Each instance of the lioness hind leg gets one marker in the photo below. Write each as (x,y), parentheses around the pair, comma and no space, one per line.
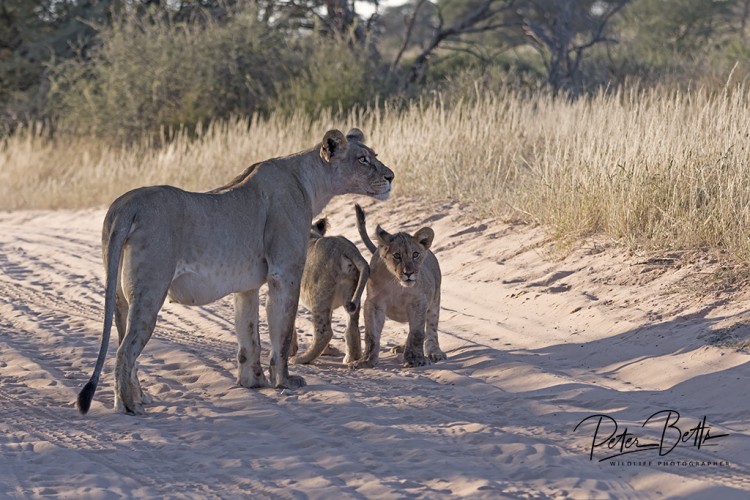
(249,371)
(321,337)
(431,345)
(141,323)
(353,340)
(121,323)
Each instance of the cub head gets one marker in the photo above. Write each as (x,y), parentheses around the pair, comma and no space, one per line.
(403,253)
(357,169)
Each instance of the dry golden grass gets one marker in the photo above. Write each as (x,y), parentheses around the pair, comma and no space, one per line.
(657,167)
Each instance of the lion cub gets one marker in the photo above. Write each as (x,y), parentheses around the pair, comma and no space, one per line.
(335,275)
(404,286)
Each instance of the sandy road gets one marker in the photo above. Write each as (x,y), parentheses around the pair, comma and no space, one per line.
(536,343)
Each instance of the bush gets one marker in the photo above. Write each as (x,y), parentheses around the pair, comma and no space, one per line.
(333,74)
(151,73)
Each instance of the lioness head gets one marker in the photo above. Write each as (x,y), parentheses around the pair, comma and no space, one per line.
(404,254)
(358,169)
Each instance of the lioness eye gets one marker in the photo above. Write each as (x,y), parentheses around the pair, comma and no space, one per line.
(415,255)
(363,160)
(397,256)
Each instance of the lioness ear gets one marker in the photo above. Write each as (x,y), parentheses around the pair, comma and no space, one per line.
(425,236)
(321,226)
(383,236)
(356,134)
(334,143)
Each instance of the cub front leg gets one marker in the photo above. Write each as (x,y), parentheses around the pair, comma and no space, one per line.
(413,348)
(374,320)
(281,309)
(431,345)
(249,371)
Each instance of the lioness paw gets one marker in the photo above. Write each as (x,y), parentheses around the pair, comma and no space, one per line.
(292,382)
(252,380)
(437,355)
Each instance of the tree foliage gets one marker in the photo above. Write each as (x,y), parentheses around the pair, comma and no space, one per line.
(135,65)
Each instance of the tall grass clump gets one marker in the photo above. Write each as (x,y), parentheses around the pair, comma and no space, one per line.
(658,167)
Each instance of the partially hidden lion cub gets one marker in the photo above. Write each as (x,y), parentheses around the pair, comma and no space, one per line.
(404,286)
(335,275)
(198,247)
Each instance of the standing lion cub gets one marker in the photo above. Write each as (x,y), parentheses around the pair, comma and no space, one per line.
(335,275)
(404,286)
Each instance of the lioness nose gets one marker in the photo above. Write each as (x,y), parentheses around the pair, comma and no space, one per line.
(389,176)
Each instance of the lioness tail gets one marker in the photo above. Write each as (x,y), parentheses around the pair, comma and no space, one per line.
(118,234)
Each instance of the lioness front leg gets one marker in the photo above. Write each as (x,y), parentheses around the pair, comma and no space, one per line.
(249,371)
(281,309)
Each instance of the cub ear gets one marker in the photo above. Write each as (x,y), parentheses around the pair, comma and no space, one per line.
(356,135)
(334,144)
(383,236)
(321,226)
(425,236)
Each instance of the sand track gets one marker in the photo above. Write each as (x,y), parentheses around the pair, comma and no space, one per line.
(536,342)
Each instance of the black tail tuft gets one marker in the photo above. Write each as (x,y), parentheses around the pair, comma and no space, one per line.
(351,307)
(360,213)
(85,396)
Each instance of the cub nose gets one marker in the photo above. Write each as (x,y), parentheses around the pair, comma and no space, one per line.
(408,275)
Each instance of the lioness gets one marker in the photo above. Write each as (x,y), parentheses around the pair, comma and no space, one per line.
(335,275)
(404,285)
(199,247)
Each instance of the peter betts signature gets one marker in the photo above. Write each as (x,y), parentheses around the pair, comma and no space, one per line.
(608,440)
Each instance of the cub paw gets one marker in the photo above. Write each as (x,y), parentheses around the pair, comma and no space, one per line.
(414,359)
(331,351)
(363,363)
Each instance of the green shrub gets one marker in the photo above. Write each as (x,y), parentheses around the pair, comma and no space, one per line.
(332,74)
(151,73)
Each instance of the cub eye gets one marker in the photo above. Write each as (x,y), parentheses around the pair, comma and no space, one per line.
(397,256)
(363,160)
(415,255)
